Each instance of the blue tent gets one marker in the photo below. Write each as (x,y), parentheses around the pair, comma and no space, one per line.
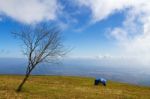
(100,80)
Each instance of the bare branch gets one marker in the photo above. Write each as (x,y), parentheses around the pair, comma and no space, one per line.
(41,43)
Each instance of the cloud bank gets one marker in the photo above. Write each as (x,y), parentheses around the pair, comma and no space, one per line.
(30,11)
(133,36)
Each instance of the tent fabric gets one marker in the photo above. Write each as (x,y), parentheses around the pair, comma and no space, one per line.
(100,80)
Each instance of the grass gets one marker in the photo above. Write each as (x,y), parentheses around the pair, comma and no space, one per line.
(64,87)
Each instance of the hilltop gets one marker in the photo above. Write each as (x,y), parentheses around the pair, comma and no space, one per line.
(68,87)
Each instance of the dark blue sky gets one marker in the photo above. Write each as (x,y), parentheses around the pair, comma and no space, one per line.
(93,28)
(86,39)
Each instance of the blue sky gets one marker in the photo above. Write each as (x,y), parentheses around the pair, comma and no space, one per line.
(93,28)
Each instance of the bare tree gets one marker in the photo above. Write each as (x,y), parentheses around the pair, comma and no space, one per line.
(40,44)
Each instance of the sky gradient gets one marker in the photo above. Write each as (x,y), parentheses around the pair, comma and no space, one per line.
(112,29)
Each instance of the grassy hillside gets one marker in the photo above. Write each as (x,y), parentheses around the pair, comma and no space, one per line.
(62,87)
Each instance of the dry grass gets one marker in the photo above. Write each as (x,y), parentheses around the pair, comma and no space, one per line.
(62,87)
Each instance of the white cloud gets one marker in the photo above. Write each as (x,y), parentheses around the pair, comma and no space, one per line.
(136,33)
(133,36)
(101,9)
(30,11)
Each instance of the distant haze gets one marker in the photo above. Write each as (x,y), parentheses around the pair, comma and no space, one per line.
(81,67)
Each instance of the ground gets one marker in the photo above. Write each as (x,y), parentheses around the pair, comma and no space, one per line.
(68,87)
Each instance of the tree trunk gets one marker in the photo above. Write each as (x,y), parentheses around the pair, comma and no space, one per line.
(22,83)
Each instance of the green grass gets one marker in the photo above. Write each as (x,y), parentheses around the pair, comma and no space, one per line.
(64,87)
